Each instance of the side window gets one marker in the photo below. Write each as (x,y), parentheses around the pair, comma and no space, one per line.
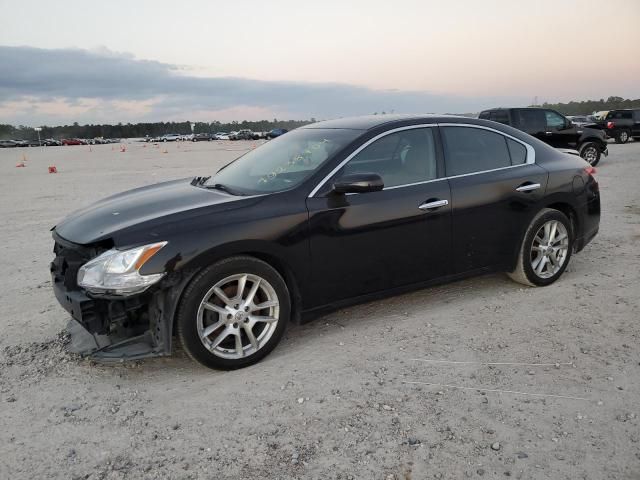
(554,120)
(400,158)
(501,116)
(627,115)
(517,152)
(469,150)
(531,121)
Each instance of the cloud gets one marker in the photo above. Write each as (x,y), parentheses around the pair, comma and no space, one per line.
(47,85)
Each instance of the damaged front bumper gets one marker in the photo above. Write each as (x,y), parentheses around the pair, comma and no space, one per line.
(114,329)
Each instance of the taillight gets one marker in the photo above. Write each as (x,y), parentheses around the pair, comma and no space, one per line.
(611,125)
(590,170)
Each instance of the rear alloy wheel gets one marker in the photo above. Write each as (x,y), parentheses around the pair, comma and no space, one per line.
(622,136)
(233,313)
(590,153)
(546,249)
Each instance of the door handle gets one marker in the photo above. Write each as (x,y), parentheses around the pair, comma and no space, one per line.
(433,204)
(548,133)
(527,187)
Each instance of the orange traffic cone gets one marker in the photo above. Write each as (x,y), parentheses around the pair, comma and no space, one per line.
(53,169)
(21,164)
(123,148)
(165,151)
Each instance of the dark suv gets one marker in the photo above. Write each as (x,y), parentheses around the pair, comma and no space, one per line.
(622,124)
(553,128)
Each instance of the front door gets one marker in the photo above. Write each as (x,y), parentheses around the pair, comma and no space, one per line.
(560,131)
(369,242)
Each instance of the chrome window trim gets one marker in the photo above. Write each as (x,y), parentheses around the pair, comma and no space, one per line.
(531,155)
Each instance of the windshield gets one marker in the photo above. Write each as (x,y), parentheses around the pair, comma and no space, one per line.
(282,163)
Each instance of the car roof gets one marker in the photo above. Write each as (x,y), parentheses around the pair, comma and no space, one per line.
(368,122)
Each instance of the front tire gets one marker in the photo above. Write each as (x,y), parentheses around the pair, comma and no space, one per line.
(233,313)
(622,136)
(546,249)
(591,153)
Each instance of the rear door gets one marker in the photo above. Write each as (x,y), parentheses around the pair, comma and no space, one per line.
(495,189)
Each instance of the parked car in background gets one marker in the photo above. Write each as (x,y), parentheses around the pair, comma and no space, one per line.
(295,227)
(72,141)
(621,125)
(244,134)
(8,144)
(276,132)
(553,128)
(50,142)
(171,137)
(201,137)
(221,136)
(579,120)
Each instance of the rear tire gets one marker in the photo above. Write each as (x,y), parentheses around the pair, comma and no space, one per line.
(591,153)
(622,136)
(546,249)
(219,322)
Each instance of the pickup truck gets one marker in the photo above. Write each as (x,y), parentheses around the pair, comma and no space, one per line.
(554,129)
(621,125)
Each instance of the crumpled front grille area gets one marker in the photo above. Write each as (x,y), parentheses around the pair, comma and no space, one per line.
(69,257)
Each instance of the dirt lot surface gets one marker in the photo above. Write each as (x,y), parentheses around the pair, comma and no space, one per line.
(334,400)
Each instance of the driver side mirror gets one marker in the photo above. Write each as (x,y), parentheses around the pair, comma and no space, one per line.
(358,183)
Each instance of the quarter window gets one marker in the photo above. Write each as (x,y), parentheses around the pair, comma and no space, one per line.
(469,150)
(517,152)
(400,158)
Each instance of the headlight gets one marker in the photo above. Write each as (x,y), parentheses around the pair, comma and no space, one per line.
(117,271)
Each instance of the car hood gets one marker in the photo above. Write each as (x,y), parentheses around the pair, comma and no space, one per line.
(143,208)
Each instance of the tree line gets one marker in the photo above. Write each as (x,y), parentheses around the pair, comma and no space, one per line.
(588,107)
(156,129)
(136,130)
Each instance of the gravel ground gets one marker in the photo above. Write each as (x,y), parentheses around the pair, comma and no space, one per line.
(335,399)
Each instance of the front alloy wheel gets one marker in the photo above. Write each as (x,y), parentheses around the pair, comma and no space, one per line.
(238,316)
(591,154)
(233,313)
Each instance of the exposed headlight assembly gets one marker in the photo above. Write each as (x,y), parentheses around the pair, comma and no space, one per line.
(117,272)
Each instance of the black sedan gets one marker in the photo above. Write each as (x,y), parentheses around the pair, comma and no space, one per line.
(330,214)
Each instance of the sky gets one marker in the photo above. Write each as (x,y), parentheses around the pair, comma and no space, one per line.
(129,61)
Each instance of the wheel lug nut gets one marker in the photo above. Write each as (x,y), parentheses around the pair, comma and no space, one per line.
(236,306)
(246,320)
(246,309)
(229,316)
(235,325)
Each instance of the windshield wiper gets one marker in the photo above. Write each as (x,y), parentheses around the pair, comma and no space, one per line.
(223,188)
(198,181)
